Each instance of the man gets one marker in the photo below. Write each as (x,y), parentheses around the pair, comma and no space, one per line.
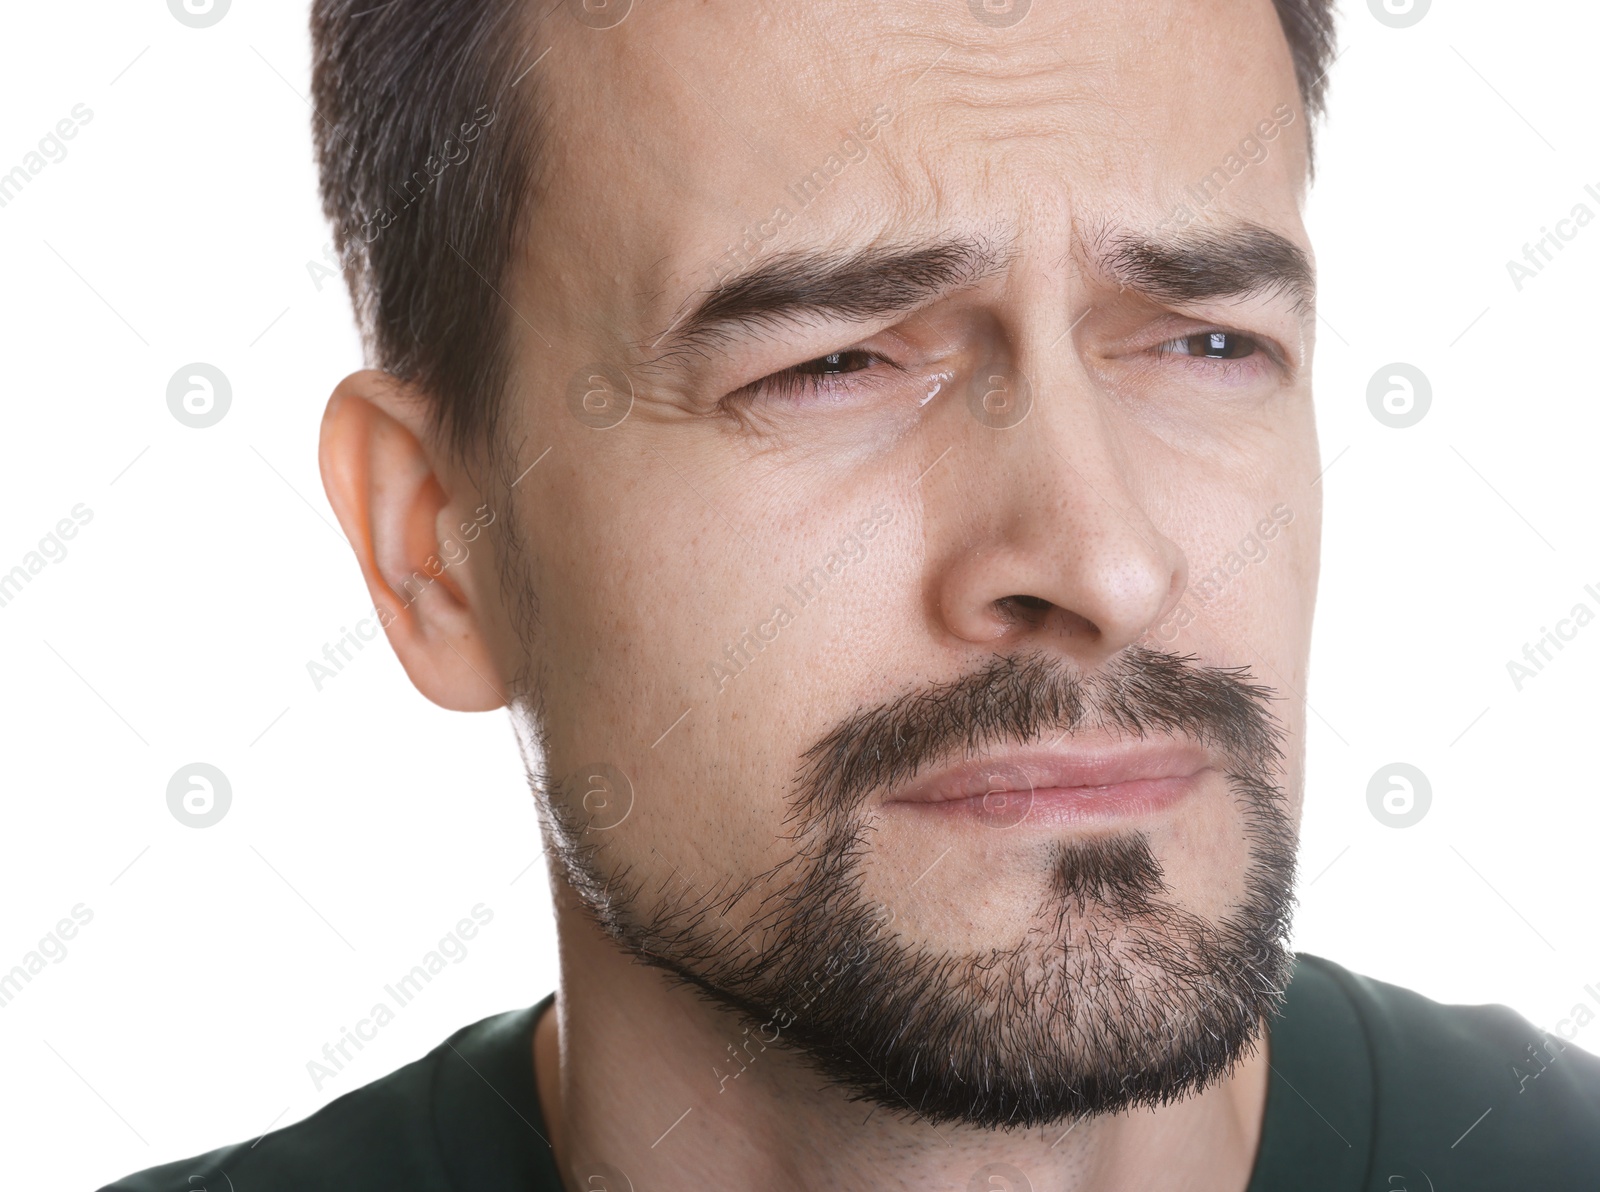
(815,422)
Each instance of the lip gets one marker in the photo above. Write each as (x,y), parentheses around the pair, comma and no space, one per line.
(1055,786)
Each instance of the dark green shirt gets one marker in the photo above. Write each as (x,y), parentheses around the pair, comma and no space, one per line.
(1373,1089)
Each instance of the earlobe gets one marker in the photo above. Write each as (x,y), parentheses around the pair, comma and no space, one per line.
(391,501)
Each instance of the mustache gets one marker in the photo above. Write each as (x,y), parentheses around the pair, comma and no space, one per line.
(1025,698)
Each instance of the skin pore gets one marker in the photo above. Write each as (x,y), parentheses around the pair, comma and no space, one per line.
(1019,207)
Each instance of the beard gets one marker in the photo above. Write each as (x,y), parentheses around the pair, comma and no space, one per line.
(1116,997)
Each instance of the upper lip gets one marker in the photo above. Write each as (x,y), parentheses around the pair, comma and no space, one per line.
(1034,769)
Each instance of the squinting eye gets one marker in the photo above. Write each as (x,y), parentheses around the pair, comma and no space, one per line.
(1214,345)
(834,363)
(809,378)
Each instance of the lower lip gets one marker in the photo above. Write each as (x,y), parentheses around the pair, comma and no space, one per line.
(1054,806)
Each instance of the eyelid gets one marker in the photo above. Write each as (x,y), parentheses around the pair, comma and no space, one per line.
(792,376)
(1268,346)
(1175,340)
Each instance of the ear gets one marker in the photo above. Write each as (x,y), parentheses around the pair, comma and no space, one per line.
(413,537)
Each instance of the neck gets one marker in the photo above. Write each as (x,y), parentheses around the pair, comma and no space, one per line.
(639,1075)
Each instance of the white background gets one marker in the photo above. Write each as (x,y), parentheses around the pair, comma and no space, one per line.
(365,822)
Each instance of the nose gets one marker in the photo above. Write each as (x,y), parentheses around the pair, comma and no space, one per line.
(1046,539)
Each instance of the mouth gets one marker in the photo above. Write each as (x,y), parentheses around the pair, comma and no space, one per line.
(1045,787)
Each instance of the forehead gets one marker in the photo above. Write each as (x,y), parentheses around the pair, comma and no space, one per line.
(696,130)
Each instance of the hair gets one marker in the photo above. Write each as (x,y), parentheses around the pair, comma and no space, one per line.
(427,247)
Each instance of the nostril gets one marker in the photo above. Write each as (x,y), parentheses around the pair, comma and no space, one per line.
(1030,610)
(1037,613)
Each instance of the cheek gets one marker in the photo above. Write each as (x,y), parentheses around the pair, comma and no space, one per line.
(696,638)
(1251,605)
(628,578)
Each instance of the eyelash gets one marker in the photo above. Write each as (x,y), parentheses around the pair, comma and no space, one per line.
(1259,354)
(1211,335)
(791,384)
(794,383)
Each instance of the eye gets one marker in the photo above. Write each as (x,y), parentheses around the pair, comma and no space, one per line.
(1213,345)
(810,379)
(834,363)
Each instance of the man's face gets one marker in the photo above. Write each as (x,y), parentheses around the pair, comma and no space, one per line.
(1033,512)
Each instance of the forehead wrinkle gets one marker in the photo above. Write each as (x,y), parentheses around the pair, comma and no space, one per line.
(1044,87)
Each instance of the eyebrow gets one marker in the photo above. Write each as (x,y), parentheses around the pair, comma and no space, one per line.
(1238,261)
(863,286)
(879,282)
